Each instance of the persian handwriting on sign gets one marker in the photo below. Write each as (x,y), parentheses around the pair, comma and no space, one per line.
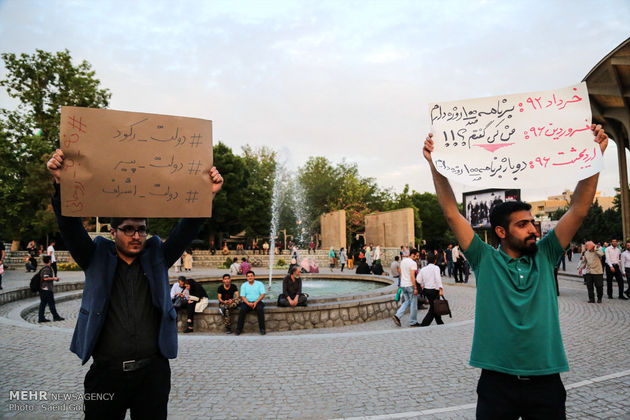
(514,140)
(132,164)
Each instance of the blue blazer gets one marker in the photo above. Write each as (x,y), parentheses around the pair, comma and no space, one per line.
(99,258)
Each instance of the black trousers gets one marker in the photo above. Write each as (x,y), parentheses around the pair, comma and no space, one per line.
(144,391)
(244,309)
(458,272)
(46,297)
(283,301)
(431,295)
(505,397)
(53,265)
(598,281)
(609,280)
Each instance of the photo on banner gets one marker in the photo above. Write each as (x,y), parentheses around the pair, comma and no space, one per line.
(479,204)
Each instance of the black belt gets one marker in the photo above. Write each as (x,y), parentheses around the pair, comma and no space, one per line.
(530,378)
(127,365)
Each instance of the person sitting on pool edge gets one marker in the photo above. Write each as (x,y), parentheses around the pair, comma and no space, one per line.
(292,290)
(229,299)
(252,294)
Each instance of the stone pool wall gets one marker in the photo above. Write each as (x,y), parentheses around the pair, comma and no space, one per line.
(322,312)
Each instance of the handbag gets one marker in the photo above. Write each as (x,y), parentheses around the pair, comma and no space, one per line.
(178,302)
(440,307)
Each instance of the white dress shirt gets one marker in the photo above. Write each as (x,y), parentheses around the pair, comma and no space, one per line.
(429,277)
(612,255)
(625,260)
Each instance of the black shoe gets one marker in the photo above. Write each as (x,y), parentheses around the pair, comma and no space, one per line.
(228,330)
(263,332)
(396,320)
(238,332)
(44,320)
(627,292)
(599,300)
(622,297)
(414,325)
(59,319)
(188,330)
(591,301)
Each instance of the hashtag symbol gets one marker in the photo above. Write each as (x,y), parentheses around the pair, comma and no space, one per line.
(192,196)
(193,167)
(195,140)
(77,124)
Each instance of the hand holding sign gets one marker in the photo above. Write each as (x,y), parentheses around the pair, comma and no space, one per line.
(516,140)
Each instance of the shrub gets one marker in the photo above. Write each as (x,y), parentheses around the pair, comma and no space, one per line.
(227,263)
(281,262)
(68,266)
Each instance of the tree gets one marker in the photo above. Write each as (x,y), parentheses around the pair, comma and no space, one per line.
(41,83)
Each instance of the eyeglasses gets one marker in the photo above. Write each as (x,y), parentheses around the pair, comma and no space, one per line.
(130,230)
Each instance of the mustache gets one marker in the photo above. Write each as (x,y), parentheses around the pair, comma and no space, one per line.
(531,237)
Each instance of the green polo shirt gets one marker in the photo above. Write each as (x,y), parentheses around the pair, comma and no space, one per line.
(517,329)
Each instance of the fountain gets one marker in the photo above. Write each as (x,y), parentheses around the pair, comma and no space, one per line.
(277,182)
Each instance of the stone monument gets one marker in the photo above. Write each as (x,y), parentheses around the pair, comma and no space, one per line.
(390,229)
(333,226)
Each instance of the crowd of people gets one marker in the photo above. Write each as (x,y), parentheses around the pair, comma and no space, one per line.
(611,258)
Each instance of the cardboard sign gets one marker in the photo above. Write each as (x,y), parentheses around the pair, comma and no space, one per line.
(130,164)
(510,141)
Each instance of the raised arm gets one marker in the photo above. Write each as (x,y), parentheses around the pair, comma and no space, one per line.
(458,224)
(72,230)
(582,197)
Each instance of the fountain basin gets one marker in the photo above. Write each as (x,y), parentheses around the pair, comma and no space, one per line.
(322,312)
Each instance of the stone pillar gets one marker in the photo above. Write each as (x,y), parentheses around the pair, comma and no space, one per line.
(390,229)
(333,227)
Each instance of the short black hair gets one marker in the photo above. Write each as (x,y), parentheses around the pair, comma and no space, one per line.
(227,275)
(431,258)
(46,259)
(500,214)
(413,251)
(250,271)
(396,258)
(117,221)
(243,259)
(295,268)
(182,278)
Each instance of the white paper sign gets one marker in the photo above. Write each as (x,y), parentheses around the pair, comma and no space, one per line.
(524,140)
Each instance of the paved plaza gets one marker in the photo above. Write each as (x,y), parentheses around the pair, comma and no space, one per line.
(369,371)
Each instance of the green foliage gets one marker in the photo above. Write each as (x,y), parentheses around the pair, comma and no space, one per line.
(68,267)
(41,83)
(329,187)
(599,225)
(227,263)
(556,215)
(244,202)
(281,262)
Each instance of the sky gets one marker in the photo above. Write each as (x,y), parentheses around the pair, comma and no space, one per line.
(342,79)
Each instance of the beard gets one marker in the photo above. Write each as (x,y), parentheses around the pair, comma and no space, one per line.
(521,246)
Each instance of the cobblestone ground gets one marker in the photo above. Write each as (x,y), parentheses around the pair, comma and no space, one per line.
(372,370)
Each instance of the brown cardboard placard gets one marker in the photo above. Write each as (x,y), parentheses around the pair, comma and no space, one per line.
(132,164)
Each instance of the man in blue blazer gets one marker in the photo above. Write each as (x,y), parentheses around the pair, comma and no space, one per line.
(127,322)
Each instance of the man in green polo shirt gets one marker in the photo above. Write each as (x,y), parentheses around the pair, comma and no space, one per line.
(517,341)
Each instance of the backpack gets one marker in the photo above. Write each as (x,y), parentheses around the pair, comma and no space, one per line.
(36,281)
